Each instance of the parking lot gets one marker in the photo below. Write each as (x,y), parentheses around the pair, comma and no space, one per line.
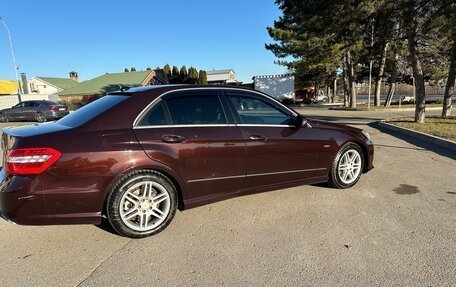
(397,226)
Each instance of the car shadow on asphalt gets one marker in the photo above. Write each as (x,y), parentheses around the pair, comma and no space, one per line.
(422,144)
(106,226)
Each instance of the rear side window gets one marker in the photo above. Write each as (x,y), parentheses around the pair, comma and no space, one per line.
(90,111)
(156,116)
(196,110)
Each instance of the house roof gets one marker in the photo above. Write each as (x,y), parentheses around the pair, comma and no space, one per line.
(214,72)
(62,83)
(110,82)
(7,87)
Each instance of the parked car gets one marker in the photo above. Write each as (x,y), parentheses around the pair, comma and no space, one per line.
(136,156)
(39,111)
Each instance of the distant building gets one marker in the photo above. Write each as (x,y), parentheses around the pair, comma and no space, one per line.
(50,85)
(7,87)
(222,77)
(281,87)
(106,83)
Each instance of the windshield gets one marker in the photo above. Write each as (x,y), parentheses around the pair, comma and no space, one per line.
(90,111)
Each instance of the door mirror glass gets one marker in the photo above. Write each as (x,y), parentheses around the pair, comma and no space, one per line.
(299,121)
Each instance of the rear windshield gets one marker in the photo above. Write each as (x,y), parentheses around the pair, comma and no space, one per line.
(90,111)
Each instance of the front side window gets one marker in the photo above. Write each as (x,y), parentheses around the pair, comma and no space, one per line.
(255,111)
(196,110)
(29,104)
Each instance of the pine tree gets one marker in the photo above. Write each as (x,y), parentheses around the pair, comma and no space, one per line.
(183,75)
(133,69)
(202,77)
(167,71)
(192,75)
(148,69)
(126,70)
(175,75)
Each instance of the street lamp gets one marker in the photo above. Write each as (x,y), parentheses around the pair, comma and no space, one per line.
(14,60)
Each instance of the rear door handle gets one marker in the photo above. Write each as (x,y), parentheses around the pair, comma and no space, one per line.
(172,139)
(257,138)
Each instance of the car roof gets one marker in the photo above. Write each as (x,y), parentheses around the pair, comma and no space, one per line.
(174,87)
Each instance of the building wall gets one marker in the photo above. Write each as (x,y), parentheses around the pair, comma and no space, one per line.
(9,101)
(42,87)
(280,86)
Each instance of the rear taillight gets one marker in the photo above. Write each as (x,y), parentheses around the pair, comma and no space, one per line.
(53,108)
(30,160)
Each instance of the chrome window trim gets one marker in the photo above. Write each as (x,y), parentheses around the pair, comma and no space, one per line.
(184,126)
(266,125)
(255,174)
(138,118)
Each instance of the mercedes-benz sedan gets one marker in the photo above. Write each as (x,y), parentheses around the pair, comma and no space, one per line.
(137,156)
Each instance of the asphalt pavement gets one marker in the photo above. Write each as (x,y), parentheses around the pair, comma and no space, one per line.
(397,226)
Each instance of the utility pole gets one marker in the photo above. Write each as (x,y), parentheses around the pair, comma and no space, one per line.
(14,60)
(370,66)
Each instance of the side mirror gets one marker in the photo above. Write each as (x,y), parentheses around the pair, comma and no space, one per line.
(299,121)
(13,107)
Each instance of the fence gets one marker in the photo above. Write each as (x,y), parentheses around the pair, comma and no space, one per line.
(401,90)
(9,101)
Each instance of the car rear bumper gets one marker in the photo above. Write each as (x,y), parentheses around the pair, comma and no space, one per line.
(58,114)
(23,201)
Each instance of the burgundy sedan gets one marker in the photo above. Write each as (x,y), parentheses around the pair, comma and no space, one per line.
(137,156)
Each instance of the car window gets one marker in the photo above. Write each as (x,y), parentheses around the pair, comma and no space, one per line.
(20,105)
(255,111)
(29,104)
(196,110)
(90,111)
(155,116)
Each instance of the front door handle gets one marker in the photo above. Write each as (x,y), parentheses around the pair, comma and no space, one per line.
(257,138)
(172,139)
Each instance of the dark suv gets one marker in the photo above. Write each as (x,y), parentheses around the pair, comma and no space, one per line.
(39,111)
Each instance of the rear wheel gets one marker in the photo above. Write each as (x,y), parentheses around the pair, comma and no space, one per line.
(141,204)
(40,117)
(347,166)
(3,118)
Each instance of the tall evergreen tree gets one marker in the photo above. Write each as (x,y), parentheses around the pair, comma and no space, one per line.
(175,75)
(192,75)
(183,75)
(167,71)
(126,70)
(133,69)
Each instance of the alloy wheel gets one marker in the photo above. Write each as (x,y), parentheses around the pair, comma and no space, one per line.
(349,166)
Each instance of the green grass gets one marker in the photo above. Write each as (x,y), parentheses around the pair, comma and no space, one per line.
(436,126)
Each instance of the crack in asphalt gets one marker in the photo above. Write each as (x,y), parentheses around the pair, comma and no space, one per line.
(103,261)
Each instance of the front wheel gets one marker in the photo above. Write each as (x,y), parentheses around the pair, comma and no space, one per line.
(142,204)
(347,167)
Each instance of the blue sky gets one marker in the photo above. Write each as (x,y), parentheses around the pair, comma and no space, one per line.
(52,38)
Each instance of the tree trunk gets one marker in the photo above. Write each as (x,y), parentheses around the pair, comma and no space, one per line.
(334,91)
(328,91)
(420,104)
(351,80)
(393,77)
(449,88)
(381,69)
(345,83)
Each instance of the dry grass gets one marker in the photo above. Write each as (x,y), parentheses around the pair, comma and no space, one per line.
(406,106)
(436,126)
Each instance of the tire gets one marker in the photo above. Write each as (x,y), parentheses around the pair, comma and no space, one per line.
(40,117)
(347,166)
(141,204)
(4,118)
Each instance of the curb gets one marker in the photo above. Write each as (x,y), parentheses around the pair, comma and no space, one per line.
(381,110)
(418,135)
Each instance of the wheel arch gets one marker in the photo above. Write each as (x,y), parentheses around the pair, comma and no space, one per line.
(167,173)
